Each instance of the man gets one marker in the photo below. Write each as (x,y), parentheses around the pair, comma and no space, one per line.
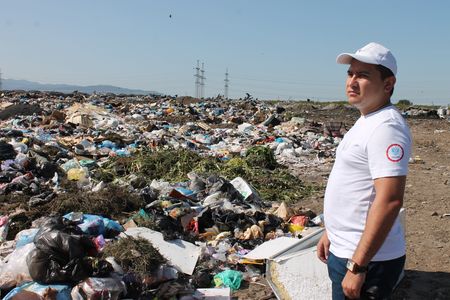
(363,244)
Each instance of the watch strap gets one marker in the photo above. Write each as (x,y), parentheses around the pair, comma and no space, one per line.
(355,268)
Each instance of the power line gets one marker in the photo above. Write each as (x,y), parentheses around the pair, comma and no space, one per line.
(321,83)
(202,81)
(226,84)
(197,80)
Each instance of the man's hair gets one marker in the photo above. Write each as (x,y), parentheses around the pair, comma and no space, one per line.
(385,73)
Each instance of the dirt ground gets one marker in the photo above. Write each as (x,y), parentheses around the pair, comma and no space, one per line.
(427,199)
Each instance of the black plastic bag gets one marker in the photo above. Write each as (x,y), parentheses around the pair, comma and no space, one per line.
(61,254)
(7,151)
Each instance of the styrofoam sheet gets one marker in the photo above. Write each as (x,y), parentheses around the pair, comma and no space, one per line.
(180,254)
(275,247)
(272,248)
(299,276)
(297,273)
(213,294)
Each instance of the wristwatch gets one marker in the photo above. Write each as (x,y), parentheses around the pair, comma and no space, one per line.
(355,268)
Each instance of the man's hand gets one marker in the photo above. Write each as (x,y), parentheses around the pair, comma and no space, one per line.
(352,284)
(323,248)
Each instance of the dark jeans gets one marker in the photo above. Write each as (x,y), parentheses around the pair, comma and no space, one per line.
(380,279)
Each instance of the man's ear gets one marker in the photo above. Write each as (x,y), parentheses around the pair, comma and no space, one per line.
(389,84)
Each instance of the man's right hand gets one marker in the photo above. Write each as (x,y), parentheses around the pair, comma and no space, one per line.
(323,248)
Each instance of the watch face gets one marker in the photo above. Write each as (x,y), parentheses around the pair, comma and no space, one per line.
(354,268)
(350,265)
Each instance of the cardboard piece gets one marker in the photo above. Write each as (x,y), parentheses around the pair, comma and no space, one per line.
(243,187)
(284,211)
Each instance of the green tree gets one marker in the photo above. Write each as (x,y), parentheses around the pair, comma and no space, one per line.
(404,102)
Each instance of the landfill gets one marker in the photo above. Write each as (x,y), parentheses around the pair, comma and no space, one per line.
(109,196)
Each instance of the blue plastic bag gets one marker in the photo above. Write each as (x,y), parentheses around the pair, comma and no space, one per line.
(63,291)
(95,225)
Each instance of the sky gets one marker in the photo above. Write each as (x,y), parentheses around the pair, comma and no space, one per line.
(272,49)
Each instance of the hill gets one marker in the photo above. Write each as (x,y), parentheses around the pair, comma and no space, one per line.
(14,84)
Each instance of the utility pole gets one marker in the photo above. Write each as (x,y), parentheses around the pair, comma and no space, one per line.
(202,81)
(0,80)
(197,80)
(226,84)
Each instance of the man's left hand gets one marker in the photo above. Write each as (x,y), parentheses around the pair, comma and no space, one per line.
(352,284)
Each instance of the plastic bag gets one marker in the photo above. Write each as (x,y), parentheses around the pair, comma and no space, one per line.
(58,257)
(14,268)
(4,227)
(197,184)
(8,165)
(36,291)
(108,144)
(96,225)
(60,254)
(99,288)
(25,237)
(22,160)
(300,220)
(78,174)
(228,278)
(71,164)
(92,225)
(7,151)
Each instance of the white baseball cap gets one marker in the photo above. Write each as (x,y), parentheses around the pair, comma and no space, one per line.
(371,53)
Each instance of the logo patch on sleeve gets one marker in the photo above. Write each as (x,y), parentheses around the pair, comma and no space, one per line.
(395,152)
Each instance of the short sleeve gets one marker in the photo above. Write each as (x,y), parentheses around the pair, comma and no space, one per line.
(388,150)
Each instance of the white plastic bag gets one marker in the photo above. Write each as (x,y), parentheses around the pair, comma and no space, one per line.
(14,268)
(99,288)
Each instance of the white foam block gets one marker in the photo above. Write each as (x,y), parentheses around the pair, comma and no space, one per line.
(180,254)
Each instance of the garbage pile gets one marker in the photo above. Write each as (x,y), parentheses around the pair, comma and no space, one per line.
(148,197)
(421,113)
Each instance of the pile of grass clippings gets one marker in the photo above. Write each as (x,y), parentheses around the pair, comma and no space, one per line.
(261,157)
(171,165)
(258,167)
(272,185)
(112,201)
(134,255)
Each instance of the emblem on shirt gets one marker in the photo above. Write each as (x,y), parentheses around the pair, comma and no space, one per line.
(394,152)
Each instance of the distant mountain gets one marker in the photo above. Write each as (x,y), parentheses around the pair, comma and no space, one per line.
(13,84)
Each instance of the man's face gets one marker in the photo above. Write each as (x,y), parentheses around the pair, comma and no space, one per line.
(365,88)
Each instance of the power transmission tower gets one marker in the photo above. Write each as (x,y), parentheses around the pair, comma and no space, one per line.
(202,81)
(197,80)
(226,84)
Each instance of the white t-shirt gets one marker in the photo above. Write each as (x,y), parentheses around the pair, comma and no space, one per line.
(378,145)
